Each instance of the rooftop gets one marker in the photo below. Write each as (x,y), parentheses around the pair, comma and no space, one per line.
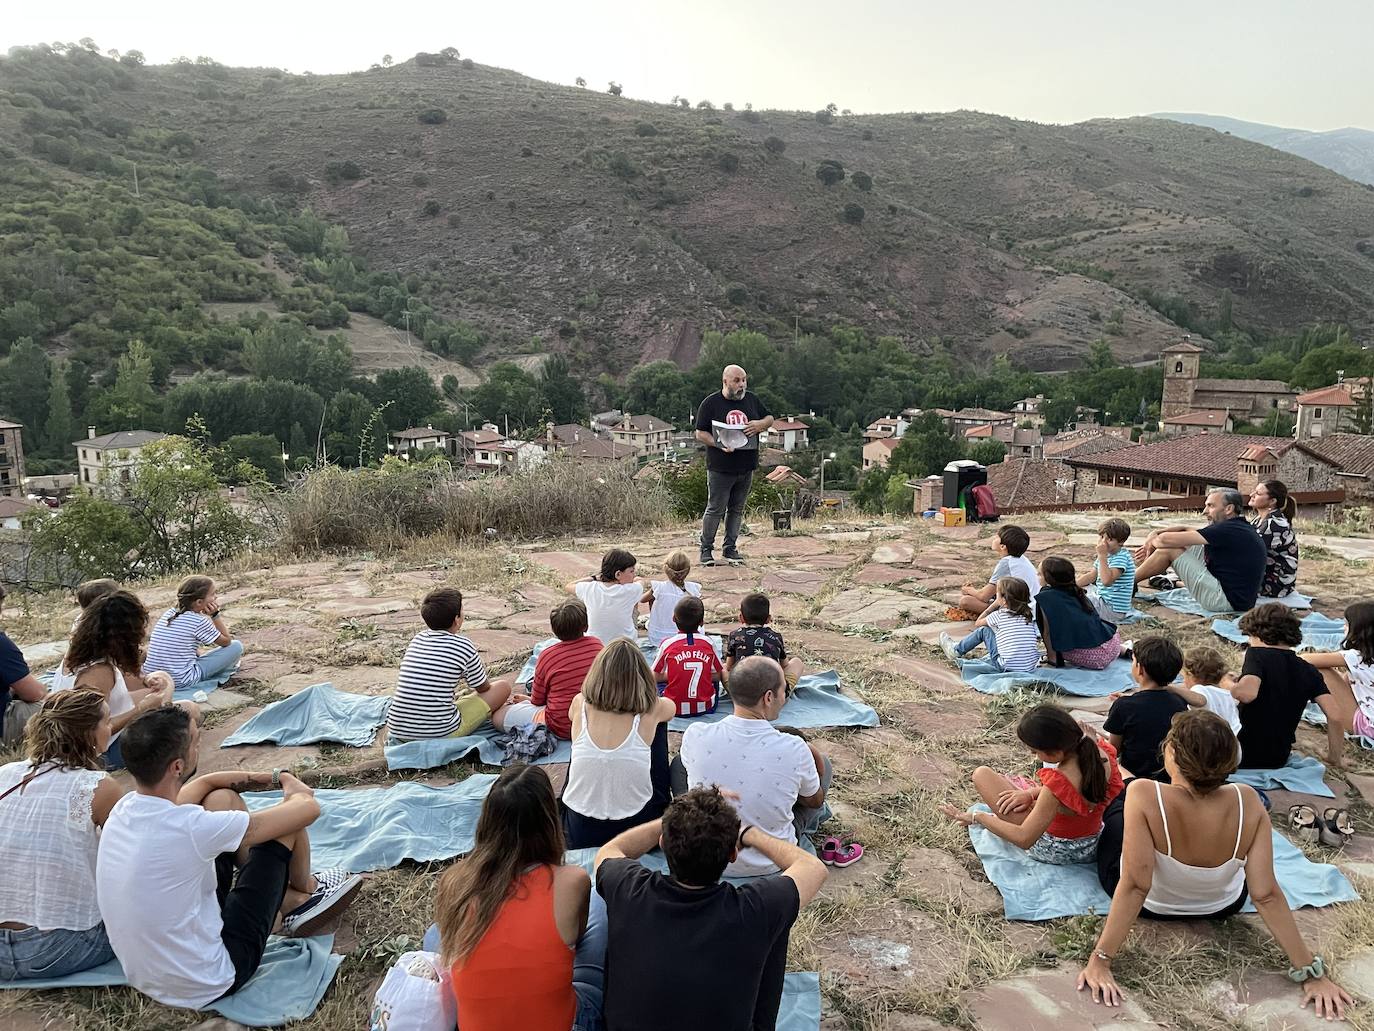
(1245,386)
(642,424)
(1210,457)
(481,438)
(1183,347)
(120,440)
(13,508)
(419,433)
(1090,441)
(888,442)
(980,415)
(789,424)
(1328,397)
(1206,417)
(1028,481)
(5,424)
(1353,452)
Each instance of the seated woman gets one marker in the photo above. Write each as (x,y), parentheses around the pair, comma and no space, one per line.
(106,655)
(174,645)
(1073,632)
(1272,519)
(524,934)
(1059,820)
(618,777)
(52,806)
(1193,849)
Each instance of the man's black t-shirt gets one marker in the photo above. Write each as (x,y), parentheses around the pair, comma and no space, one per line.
(1236,556)
(1269,724)
(13,669)
(1142,719)
(719,408)
(687,959)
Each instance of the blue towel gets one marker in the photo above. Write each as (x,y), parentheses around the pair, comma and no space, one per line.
(1033,890)
(288,986)
(1086,683)
(801,1002)
(321,712)
(1181,601)
(427,753)
(1313,715)
(378,828)
(1131,615)
(815,703)
(1319,633)
(1303,774)
(184,694)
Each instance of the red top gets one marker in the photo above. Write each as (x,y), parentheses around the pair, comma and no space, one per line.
(1084,819)
(686,663)
(520,974)
(558,676)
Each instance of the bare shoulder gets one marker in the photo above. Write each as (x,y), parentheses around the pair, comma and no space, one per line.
(571,878)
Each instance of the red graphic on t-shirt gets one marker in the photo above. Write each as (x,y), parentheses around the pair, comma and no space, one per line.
(736,418)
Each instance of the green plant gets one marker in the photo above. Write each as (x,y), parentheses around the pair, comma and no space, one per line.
(774,145)
(853,214)
(728,162)
(646,129)
(431,208)
(342,171)
(862,181)
(829,172)
(432,116)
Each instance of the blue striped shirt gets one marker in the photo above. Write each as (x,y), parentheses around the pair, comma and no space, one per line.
(1118,595)
(173,646)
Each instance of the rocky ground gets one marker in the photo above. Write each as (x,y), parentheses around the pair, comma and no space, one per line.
(910,938)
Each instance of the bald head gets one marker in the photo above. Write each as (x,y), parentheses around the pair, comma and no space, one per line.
(733,382)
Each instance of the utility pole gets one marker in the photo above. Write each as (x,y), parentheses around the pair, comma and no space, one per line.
(136,179)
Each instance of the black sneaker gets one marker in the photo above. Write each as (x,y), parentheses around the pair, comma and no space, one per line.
(733,556)
(1163,582)
(706,559)
(334,890)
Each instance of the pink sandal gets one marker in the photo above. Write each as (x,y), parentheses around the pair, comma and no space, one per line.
(835,852)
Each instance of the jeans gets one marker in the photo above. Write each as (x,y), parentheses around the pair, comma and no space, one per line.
(13,718)
(981,635)
(726,494)
(217,660)
(805,821)
(32,953)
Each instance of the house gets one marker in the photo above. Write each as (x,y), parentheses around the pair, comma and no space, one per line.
(1028,409)
(597,449)
(887,426)
(417,439)
(482,451)
(56,487)
(110,462)
(1091,440)
(1326,411)
(787,434)
(957,423)
(13,510)
(1354,453)
(783,476)
(605,420)
(1249,400)
(878,452)
(1200,421)
(643,433)
(1021,441)
(11,460)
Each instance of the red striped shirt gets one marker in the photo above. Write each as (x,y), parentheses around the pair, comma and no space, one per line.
(558,676)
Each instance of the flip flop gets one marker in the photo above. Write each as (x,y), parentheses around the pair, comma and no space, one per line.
(1335,829)
(1302,821)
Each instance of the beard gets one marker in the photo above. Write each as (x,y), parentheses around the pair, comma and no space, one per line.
(734,393)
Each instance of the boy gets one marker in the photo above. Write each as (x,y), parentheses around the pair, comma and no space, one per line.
(1112,577)
(437,660)
(687,662)
(1010,544)
(756,637)
(1137,723)
(1274,688)
(558,674)
(1205,685)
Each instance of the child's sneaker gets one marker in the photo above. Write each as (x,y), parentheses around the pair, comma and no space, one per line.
(334,890)
(949,647)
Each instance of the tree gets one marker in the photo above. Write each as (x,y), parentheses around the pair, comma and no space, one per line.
(1224,311)
(563,396)
(132,58)
(24,381)
(825,117)
(897,496)
(659,388)
(88,537)
(412,394)
(829,172)
(19,320)
(1100,357)
(774,145)
(862,181)
(509,392)
(613,88)
(988,452)
(386,60)
(580,81)
(260,450)
(925,448)
(60,430)
(853,214)
(871,497)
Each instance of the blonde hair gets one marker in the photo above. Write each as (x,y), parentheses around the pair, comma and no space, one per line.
(62,731)
(190,591)
(620,680)
(676,567)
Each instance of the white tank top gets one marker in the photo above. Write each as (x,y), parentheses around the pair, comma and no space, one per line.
(119,701)
(608,783)
(1182,890)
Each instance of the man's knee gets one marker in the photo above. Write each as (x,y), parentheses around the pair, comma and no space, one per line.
(223,800)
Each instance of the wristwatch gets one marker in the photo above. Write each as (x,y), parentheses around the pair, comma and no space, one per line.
(1315,969)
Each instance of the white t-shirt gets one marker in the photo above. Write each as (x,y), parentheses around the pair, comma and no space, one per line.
(610,609)
(1361,682)
(1018,566)
(155,883)
(666,596)
(1221,702)
(769,770)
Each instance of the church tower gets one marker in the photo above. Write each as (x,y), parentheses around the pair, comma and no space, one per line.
(1180,363)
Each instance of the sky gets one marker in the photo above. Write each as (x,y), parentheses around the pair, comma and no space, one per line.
(1276,61)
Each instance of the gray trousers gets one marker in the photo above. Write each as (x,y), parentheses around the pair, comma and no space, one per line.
(726,495)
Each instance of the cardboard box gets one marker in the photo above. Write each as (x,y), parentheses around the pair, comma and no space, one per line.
(952,516)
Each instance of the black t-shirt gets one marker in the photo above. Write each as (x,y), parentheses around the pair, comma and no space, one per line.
(755,640)
(13,669)
(719,408)
(1236,556)
(685,959)
(1142,719)
(1269,724)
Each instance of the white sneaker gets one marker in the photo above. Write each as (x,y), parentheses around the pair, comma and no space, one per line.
(950,648)
(334,890)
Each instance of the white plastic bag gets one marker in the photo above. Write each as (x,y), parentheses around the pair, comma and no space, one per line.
(415,996)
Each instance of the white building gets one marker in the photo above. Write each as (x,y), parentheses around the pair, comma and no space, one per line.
(12,511)
(107,464)
(417,439)
(644,433)
(787,435)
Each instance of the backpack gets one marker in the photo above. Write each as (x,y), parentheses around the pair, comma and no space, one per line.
(984,504)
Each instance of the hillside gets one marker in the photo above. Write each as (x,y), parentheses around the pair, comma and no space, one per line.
(1349,151)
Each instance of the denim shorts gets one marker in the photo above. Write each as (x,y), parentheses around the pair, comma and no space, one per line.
(32,953)
(1064,851)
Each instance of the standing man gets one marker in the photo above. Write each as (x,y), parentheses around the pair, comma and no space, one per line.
(729,424)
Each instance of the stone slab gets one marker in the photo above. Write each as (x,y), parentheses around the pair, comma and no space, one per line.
(891,948)
(213,758)
(569,565)
(829,644)
(284,638)
(928,673)
(1050,1001)
(48,653)
(936,876)
(875,574)
(793,581)
(495,645)
(894,553)
(348,608)
(878,607)
(363,680)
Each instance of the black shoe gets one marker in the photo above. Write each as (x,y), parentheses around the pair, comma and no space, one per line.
(706,559)
(733,555)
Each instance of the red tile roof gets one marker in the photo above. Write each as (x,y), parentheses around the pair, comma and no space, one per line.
(1353,452)
(1183,347)
(1210,457)
(1243,386)
(888,442)
(1082,443)
(1329,397)
(1022,482)
(789,424)
(1208,417)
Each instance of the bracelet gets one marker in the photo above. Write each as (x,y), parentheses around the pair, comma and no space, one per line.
(739,842)
(1102,956)
(1313,970)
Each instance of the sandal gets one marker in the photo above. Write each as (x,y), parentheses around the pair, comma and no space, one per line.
(836,853)
(1335,830)
(1302,821)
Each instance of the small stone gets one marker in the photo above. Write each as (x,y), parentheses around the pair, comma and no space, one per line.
(893,553)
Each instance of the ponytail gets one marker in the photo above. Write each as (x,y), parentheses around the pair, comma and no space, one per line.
(676,567)
(1048,728)
(190,591)
(1283,501)
(1094,777)
(1059,573)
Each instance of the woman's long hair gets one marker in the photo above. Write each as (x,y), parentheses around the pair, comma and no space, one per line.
(1059,573)
(1283,502)
(1359,629)
(110,630)
(63,730)
(620,680)
(519,827)
(1048,728)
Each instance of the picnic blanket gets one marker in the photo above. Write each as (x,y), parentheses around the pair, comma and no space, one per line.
(366,829)
(1086,683)
(1181,601)
(288,986)
(320,712)
(1040,891)
(180,694)
(650,651)
(1302,773)
(427,753)
(1313,715)
(817,702)
(1319,633)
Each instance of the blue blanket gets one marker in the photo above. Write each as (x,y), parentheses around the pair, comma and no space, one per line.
(1181,601)
(379,828)
(817,702)
(801,1002)
(1040,891)
(428,753)
(1303,774)
(288,986)
(1319,633)
(321,712)
(1086,683)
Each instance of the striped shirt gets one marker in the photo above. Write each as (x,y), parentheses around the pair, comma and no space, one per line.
(1018,641)
(1118,595)
(174,644)
(435,663)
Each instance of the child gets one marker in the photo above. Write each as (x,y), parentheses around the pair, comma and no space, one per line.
(756,637)
(611,597)
(1349,674)
(436,661)
(1112,577)
(196,620)
(1010,544)
(687,663)
(1073,632)
(662,596)
(558,674)
(1060,825)
(1205,677)
(1274,688)
(90,592)
(1137,723)
(1007,628)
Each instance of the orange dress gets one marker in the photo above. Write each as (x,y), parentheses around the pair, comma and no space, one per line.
(520,974)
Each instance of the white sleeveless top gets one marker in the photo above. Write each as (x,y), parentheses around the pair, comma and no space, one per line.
(608,783)
(48,847)
(1182,890)
(119,701)
(666,596)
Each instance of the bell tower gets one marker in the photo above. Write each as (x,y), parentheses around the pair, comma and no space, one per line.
(1180,362)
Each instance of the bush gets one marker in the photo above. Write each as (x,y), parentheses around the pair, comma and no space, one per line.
(431,208)
(825,117)
(467,64)
(646,129)
(774,145)
(728,162)
(621,166)
(342,171)
(433,116)
(686,488)
(862,180)
(830,172)
(751,116)
(853,214)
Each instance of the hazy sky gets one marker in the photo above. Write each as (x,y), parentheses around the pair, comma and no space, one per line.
(1278,61)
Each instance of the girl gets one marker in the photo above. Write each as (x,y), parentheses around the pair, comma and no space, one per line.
(618,777)
(1007,628)
(1073,632)
(173,645)
(524,934)
(1274,511)
(1349,674)
(1059,821)
(662,596)
(611,597)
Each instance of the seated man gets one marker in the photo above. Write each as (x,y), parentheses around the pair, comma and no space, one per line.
(185,928)
(781,780)
(1221,564)
(666,934)
(21,693)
